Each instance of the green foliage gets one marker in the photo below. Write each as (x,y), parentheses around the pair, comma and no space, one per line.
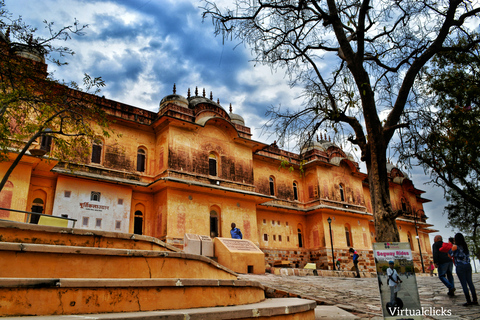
(445,138)
(464,217)
(287,164)
(33,105)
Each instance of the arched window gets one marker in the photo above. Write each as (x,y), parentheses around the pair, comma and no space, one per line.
(46,143)
(97,151)
(300,238)
(295,191)
(141,159)
(214,224)
(404,206)
(342,193)
(138,222)
(348,236)
(271,182)
(212,164)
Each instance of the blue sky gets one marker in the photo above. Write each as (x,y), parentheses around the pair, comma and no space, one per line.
(142,47)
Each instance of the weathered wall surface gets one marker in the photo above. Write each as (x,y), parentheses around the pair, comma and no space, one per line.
(73,198)
(15,192)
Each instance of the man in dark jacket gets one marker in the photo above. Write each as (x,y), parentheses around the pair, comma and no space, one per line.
(355,261)
(444,265)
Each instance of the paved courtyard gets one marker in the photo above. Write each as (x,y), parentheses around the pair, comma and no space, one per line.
(360,297)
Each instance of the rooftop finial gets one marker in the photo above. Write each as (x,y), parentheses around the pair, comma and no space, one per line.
(203,92)
(318,139)
(196,91)
(211,95)
(218,101)
(329,139)
(230,108)
(188,93)
(174,89)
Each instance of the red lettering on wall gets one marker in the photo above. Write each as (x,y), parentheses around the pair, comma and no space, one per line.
(247,230)
(181,220)
(6,199)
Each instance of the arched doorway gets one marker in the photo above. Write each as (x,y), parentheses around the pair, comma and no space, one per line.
(300,237)
(37,207)
(214,222)
(138,222)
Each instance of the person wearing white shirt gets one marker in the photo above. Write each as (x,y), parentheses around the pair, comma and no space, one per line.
(393,282)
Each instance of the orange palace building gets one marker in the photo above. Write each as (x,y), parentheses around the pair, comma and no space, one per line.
(193,167)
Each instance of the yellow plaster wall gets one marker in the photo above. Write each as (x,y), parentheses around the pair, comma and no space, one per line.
(125,141)
(268,223)
(189,212)
(316,231)
(359,230)
(283,177)
(328,179)
(43,188)
(189,151)
(159,226)
(161,152)
(15,193)
(144,202)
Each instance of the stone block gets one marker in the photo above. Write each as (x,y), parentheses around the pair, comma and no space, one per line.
(208,249)
(192,244)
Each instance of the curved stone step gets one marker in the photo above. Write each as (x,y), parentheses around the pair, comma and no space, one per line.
(23,297)
(52,261)
(12,231)
(283,308)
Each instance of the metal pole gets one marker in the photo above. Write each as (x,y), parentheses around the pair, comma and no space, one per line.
(418,240)
(331,241)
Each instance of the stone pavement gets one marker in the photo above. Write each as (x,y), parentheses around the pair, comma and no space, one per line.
(360,297)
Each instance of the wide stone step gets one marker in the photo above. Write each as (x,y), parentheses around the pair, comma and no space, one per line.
(23,297)
(52,261)
(284,309)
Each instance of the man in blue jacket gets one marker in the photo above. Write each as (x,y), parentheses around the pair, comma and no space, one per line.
(355,261)
(235,232)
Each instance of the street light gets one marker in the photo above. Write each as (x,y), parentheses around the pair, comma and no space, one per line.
(418,240)
(331,241)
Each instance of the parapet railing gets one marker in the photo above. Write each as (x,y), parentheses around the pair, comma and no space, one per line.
(45,219)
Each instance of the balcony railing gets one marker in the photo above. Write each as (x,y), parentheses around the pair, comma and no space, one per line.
(45,219)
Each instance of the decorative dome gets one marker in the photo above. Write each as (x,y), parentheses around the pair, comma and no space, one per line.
(321,144)
(31,51)
(195,100)
(237,119)
(174,99)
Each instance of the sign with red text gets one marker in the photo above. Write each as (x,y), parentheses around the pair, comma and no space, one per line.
(396,280)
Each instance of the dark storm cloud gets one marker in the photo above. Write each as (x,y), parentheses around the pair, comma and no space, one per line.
(178,45)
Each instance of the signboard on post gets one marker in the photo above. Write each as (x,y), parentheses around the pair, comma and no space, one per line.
(396,281)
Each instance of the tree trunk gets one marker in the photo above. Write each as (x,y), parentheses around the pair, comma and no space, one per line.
(384,218)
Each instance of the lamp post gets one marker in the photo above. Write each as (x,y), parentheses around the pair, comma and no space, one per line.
(418,240)
(331,241)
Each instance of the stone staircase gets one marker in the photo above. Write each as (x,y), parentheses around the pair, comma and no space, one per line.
(72,273)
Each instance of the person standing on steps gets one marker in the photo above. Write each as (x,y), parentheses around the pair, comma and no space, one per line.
(463,267)
(444,265)
(355,261)
(235,232)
